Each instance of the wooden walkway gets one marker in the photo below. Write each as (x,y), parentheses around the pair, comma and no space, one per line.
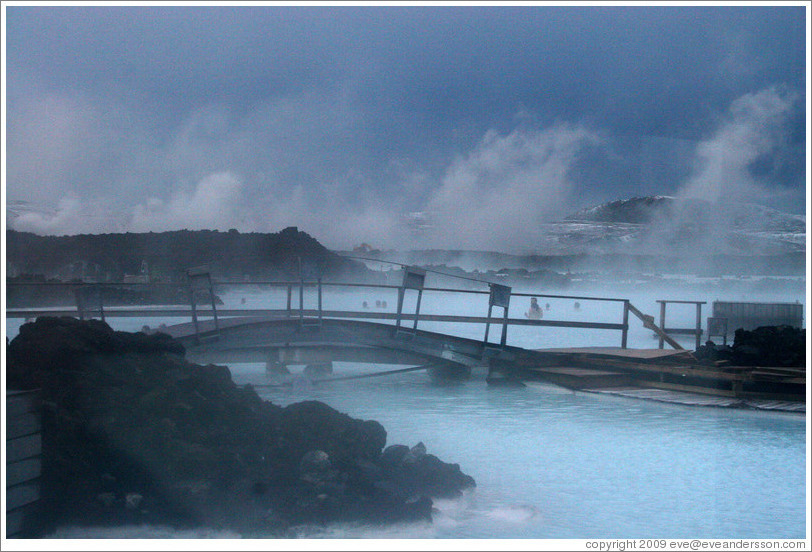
(619,352)
(675,376)
(696,399)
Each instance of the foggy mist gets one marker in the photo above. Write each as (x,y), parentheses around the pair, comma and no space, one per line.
(497,196)
(485,144)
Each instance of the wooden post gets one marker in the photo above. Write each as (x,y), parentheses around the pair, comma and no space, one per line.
(23,462)
(499,297)
(319,292)
(737,386)
(488,323)
(301,301)
(625,337)
(290,296)
(213,303)
(101,301)
(417,308)
(698,324)
(194,276)
(401,292)
(194,308)
(504,327)
(662,323)
(413,278)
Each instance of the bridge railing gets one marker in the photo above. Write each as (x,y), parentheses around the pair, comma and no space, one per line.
(496,295)
(109,300)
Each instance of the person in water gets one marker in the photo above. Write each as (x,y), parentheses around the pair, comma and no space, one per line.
(535,311)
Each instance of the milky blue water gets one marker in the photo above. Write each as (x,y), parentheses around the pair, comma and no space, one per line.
(550,463)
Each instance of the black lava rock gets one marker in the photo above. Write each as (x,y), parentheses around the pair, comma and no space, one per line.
(770,346)
(134,433)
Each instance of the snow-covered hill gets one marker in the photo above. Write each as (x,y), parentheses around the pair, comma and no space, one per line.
(666,225)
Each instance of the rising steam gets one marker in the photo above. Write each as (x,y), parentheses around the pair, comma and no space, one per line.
(498,196)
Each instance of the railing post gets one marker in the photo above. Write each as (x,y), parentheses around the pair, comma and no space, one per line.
(499,297)
(401,293)
(309,271)
(413,278)
(290,295)
(625,337)
(319,292)
(698,324)
(504,326)
(488,323)
(193,304)
(194,276)
(213,303)
(301,301)
(99,290)
(662,323)
(417,308)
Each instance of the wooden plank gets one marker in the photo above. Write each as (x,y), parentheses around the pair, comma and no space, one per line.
(670,396)
(778,371)
(19,426)
(688,388)
(21,495)
(16,520)
(22,471)
(788,397)
(783,406)
(573,371)
(579,378)
(681,370)
(640,354)
(648,322)
(21,402)
(23,447)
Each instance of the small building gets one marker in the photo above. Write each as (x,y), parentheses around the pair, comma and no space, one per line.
(731,316)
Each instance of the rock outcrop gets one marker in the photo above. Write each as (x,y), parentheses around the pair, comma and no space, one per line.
(779,346)
(134,433)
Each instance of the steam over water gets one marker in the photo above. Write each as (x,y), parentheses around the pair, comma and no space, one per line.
(548,462)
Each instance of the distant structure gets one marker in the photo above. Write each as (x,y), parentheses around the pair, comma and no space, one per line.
(141,278)
(730,316)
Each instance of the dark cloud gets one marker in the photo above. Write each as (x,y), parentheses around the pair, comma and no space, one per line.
(305,114)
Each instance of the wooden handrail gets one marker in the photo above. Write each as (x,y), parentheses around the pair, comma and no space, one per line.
(175,311)
(648,322)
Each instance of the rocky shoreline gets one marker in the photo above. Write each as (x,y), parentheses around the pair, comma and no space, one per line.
(133,433)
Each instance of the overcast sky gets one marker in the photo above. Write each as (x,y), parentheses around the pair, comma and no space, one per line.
(341,120)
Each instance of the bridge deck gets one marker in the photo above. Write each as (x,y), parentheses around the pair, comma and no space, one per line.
(632,354)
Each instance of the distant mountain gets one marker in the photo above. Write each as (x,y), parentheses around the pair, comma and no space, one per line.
(637,210)
(651,209)
(663,224)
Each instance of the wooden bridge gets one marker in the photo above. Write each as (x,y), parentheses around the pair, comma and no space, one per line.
(313,335)
(317,337)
